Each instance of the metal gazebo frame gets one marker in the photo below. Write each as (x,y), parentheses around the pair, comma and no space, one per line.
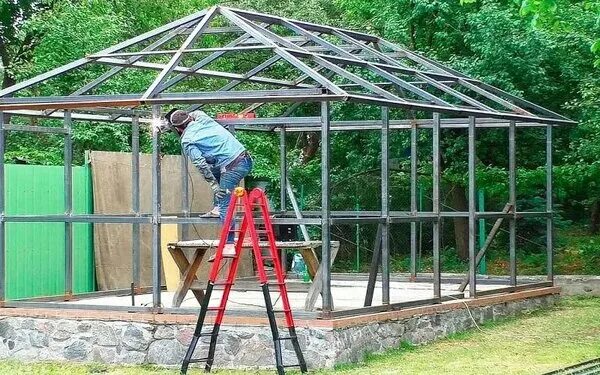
(335,65)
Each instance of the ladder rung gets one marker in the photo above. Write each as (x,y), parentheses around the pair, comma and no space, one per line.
(223,283)
(198,360)
(214,308)
(288,366)
(286,338)
(208,333)
(223,256)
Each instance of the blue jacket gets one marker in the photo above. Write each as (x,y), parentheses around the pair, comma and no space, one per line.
(205,138)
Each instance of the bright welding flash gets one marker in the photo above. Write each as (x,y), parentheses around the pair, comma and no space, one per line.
(158,125)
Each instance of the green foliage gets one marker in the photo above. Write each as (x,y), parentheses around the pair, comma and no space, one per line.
(17,41)
(542,50)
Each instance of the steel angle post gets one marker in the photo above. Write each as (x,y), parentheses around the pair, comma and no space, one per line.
(135,199)
(413,199)
(549,208)
(185,195)
(68,202)
(156,212)
(512,200)
(472,209)
(437,281)
(325,207)
(283,185)
(282,169)
(2,213)
(385,207)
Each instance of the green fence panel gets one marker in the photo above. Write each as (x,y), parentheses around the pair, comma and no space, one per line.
(35,255)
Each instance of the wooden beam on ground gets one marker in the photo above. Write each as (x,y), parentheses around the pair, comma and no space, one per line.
(488,241)
(375,261)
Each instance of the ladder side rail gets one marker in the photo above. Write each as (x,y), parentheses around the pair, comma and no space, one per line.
(223,304)
(260,196)
(231,273)
(262,275)
(264,205)
(214,271)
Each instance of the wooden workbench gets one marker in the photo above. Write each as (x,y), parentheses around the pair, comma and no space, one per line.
(198,248)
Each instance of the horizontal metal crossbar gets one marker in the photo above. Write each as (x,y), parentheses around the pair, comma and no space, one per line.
(35,129)
(167,52)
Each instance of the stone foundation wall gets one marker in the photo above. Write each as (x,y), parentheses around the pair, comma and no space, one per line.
(36,339)
(578,285)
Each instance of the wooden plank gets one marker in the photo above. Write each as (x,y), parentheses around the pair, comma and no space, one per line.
(375,261)
(188,274)
(168,233)
(488,242)
(317,285)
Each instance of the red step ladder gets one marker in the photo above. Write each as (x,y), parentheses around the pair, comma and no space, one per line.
(243,204)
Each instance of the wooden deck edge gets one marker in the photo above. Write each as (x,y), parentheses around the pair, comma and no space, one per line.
(154,318)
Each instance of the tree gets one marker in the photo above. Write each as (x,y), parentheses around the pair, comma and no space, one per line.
(17,42)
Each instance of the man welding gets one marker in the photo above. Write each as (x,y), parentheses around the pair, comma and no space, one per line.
(202,139)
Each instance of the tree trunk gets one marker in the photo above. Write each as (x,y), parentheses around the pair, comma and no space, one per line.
(458,199)
(595,217)
(310,146)
(7,80)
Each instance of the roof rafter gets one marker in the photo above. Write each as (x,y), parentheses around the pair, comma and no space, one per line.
(327,63)
(281,52)
(78,63)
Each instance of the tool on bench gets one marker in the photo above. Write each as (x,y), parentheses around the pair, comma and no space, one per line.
(242,205)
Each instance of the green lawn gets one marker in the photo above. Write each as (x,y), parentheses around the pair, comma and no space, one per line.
(532,344)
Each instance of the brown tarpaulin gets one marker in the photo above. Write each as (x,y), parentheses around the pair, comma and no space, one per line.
(111,176)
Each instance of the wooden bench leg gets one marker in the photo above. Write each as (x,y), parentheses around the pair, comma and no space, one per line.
(188,275)
(317,285)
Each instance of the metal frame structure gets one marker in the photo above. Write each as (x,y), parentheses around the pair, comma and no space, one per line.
(329,65)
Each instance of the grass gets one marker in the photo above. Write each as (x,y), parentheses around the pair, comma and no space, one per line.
(532,344)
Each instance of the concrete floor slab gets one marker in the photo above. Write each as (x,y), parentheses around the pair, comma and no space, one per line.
(346,295)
